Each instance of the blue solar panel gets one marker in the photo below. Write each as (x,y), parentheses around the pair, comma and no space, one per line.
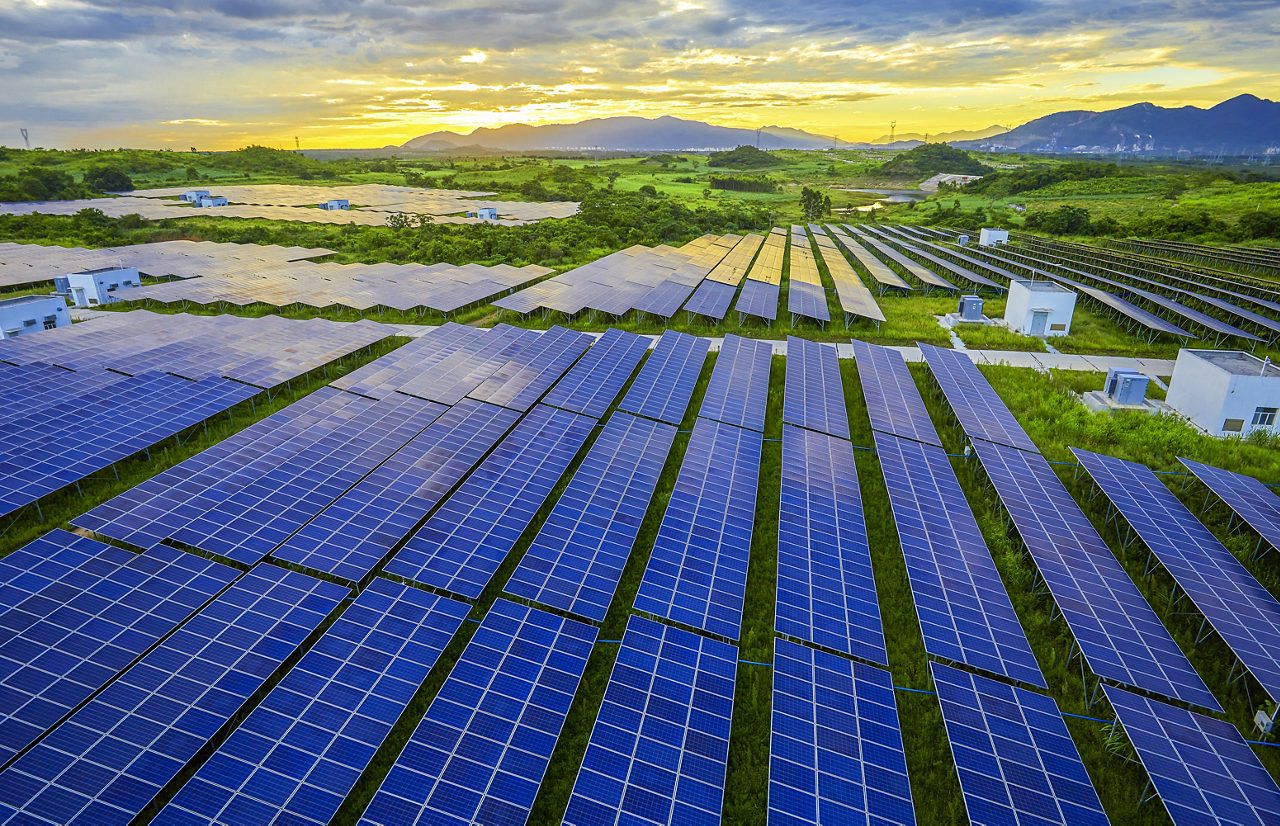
(479,754)
(57,557)
(1013,754)
(449,379)
(808,300)
(461,546)
(388,373)
(893,401)
(739,387)
(595,381)
(665,299)
(711,299)
(964,611)
(1244,613)
(1248,498)
(826,589)
(1121,638)
(350,537)
(577,557)
(50,665)
(108,761)
(519,383)
(1201,767)
(835,751)
(298,754)
(758,298)
(980,410)
(660,745)
(813,396)
(665,384)
(697,573)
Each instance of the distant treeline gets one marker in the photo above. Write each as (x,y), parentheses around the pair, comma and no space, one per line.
(745,184)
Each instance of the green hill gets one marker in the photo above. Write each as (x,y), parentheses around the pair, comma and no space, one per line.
(929,159)
(744,157)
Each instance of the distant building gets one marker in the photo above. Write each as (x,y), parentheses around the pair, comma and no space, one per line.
(193,196)
(1039,308)
(32,314)
(336,203)
(990,237)
(1226,392)
(92,288)
(211,201)
(487,213)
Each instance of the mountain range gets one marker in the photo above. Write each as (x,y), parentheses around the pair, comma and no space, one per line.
(1242,125)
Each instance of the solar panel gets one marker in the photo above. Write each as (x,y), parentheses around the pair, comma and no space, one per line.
(388,373)
(758,298)
(1247,498)
(1236,605)
(522,381)
(461,546)
(665,384)
(660,745)
(835,749)
(1119,635)
(350,537)
(300,752)
(595,381)
(479,754)
(711,299)
(58,556)
(826,589)
(1014,756)
(739,387)
(697,573)
(893,401)
(108,761)
(1201,767)
(982,414)
(577,557)
(451,378)
(813,395)
(964,611)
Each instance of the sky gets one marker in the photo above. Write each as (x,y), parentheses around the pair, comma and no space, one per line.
(220,74)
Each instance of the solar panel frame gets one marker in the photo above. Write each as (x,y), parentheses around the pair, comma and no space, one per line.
(595,381)
(980,410)
(893,400)
(738,391)
(665,384)
(759,299)
(813,393)
(1247,498)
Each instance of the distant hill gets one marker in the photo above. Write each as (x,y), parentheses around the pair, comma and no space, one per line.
(1242,125)
(622,134)
(744,157)
(931,159)
(940,137)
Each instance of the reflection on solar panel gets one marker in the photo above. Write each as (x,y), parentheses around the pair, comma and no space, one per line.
(660,745)
(1014,756)
(461,546)
(108,761)
(813,395)
(1235,604)
(595,381)
(459,373)
(976,280)
(925,275)
(665,384)
(855,298)
(1201,767)
(577,557)
(697,574)
(1248,498)
(805,294)
(391,372)
(58,556)
(352,535)
(298,754)
(479,754)
(1119,635)
(758,298)
(893,400)
(826,590)
(979,408)
(522,381)
(885,277)
(965,613)
(739,387)
(711,299)
(835,754)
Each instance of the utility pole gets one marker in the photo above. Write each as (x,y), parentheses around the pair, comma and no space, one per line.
(758,137)
(296,143)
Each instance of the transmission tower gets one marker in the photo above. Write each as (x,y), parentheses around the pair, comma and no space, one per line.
(26,137)
(893,125)
(296,143)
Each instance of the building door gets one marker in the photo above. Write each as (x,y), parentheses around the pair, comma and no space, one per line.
(1039,322)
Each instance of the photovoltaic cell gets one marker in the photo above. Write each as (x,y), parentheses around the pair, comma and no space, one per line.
(577,557)
(1014,756)
(595,381)
(759,298)
(711,299)
(666,381)
(893,401)
(52,558)
(835,749)
(519,383)
(980,410)
(826,588)
(739,386)
(964,610)
(1201,767)
(461,546)
(298,755)
(1119,634)
(697,573)
(107,762)
(1248,498)
(813,395)
(479,754)
(660,745)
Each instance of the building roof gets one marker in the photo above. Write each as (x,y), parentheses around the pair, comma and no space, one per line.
(104,269)
(31,299)
(1041,285)
(1238,362)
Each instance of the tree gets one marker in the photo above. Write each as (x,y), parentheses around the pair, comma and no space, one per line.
(193,174)
(649,189)
(811,203)
(107,179)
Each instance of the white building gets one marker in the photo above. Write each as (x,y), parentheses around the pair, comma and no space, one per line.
(336,203)
(32,314)
(988,237)
(1226,392)
(487,213)
(94,287)
(1039,308)
(193,196)
(211,201)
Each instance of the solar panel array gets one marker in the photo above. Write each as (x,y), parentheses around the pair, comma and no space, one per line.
(835,752)
(1247,498)
(759,299)
(855,298)
(893,401)
(805,294)
(665,384)
(479,754)
(883,276)
(738,390)
(1201,767)
(1014,756)
(40,563)
(697,572)
(299,753)
(595,381)
(976,404)
(659,749)
(1234,603)
(975,280)
(813,396)
(921,273)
